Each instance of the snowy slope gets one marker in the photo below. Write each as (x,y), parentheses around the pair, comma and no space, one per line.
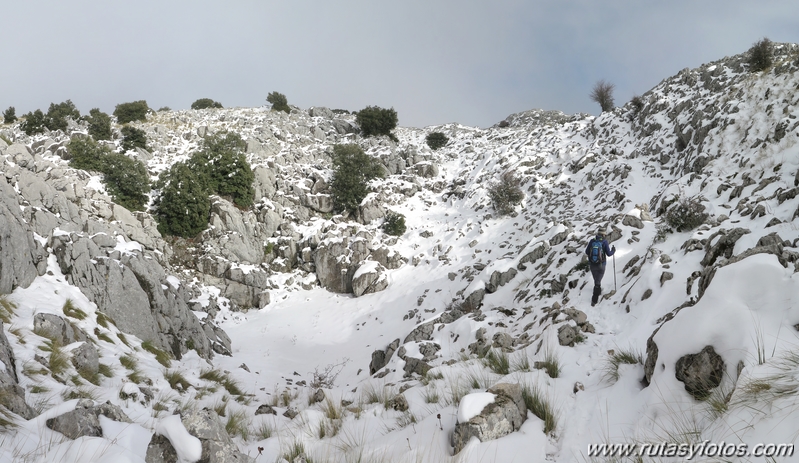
(718,134)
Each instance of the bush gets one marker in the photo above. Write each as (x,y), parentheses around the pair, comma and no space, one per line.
(602,93)
(436,140)
(182,208)
(637,103)
(57,114)
(279,101)
(86,154)
(506,193)
(377,121)
(686,214)
(352,170)
(99,124)
(223,164)
(9,115)
(394,224)
(133,111)
(133,138)
(127,181)
(164,108)
(205,103)
(34,123)
(760,55)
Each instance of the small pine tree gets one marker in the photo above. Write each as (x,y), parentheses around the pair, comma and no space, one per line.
(352,170)
(602,93)
(133,111)
(99,124)
(436,140)
(506,193)
(57,114)
(182,208)
(374,120)
(133,138)
(760,55)
(127,181)
(394,224)
(9,115)
(34,123)
(278,101)
(206,103)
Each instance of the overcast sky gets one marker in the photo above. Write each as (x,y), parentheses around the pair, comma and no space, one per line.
(434,61)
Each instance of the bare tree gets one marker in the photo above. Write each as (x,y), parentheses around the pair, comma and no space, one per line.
(602,93)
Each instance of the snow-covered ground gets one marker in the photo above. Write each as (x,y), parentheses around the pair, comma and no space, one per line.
(578,175)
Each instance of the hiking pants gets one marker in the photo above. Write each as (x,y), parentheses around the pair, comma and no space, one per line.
(597,271)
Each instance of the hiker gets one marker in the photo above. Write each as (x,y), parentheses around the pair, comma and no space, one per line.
(597,250)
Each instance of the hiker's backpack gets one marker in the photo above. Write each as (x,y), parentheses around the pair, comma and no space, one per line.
(596,255)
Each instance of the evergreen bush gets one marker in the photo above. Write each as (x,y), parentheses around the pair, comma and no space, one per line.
(352,170)
(34,123)
(205,103)
(84,153)
(686,214)
(394,224)
(506,193)
(183,207)
(126,180)
(436,140)
(132,111)
(99,124)
(374,120)
(760,55)
(9,115)
(57,114)
(279,101)
(133,138)
(224,165)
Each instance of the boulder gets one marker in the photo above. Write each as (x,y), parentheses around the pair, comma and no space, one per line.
(217,446)
(12,393)
(84,420)
(423,332)
(160,450)
(398,403)
(85,358)
(497,419)
(567,335)
(700,372)
(414,365)
(58,329)
(381,358)
(499,278)
(632,221)
(22,258)
(369,278)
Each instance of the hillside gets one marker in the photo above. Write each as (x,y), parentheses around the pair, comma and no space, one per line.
(257,314)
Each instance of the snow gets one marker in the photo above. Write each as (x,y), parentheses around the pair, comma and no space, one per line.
(472,404)
(188,447)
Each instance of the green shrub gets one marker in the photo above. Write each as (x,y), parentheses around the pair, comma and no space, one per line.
(760,55)
(127,181)
(34,123)
(637,103)
(394,224)
(164,108)
(9,115)
(436,140)
(279,101)
(352,170)
(86,154)
(99,124)
(182,208)
(374,120)
(506,193)
(223,163)
(205,103)
(57,114)
(686,214)
(133,138)
(133,111)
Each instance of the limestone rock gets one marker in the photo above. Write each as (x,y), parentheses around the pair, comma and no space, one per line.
(22,258)
(84,419)
(567,334)
(369,278)
(13,395)
(381,358)
(499,278)
(700,372)
(217,446)
(500,418)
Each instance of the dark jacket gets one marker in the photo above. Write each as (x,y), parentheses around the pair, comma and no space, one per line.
(605,247)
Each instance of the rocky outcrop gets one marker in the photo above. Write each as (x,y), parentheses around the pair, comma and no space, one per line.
(380,358)
(84,420)
(217,446)
(12,395)
(369,278)
(499,278)
(22,258)
(501,417)
(58,329)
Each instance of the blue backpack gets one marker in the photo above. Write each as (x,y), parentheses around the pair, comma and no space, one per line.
(596,254)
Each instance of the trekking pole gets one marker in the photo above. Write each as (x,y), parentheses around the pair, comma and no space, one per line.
(614,273)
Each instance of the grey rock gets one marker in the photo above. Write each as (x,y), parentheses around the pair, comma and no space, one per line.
(724,246)
(499,279)
(264,182)
(388,257)
(369,282)
(505,415)
(567,334)
(700,372)
(429,350)
(425,169)
(533,255)
(85,358)
(160,450)
(665,276)
(423,332)
(632,221)
(58,329)
(503,341)
(84,419)
(22,258)
(290,413)
(318,396)
(381,358)
(398,403)
(12,393)
(217,446)
(265,409)
(414,365)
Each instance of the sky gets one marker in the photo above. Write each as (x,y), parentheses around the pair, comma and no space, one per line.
(434,61)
